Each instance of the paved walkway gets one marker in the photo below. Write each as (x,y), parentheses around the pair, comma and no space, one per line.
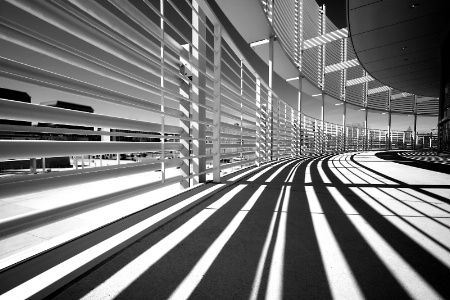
(350,226)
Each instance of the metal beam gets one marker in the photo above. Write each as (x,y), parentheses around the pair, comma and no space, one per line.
(359,80)
(342,65)
(325,38)
(378,90)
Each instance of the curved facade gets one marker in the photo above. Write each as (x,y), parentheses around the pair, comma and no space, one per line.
(326,57)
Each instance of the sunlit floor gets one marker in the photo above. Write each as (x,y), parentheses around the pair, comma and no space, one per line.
(351,226)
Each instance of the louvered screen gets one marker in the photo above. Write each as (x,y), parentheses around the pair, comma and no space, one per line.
(310,30)
(284,22)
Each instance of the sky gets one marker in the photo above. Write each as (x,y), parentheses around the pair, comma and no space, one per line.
(335,10)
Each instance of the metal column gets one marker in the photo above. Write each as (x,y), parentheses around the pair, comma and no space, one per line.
(270,97)
(217,104)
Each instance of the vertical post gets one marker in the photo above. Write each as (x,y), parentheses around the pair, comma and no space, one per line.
(278,129)
(346,140)
(258,122)
(322,118)
(270,8)
(242,115)
(270,97)
(365,91)
(316,137)
(366,135)
(344,131)
(343,92)
(43,163)
(299,60)
(403,138)
(389,121)
(217,104)
(299,112)
(298,33)
(285,129)
(82,161)
(414,141)
(322,49)
(33,168)
(357,139)
(198,94)
(163,131)
(185,143)
(294,134)
(321,56)
(379,139)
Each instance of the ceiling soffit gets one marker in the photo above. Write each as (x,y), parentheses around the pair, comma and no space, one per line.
(398,41)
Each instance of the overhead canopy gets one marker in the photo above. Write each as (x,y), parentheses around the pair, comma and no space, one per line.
(398,42)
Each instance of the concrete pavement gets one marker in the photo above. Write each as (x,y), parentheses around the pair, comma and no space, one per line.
(349,226)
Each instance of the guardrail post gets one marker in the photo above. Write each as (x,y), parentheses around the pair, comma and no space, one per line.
(198,94)
(217,104)
(258,122)
(414,141)
(270,97)
(43,164)
(278,129)
(388,144)
(163,131)
(185,144)
(299,111)
(294,131)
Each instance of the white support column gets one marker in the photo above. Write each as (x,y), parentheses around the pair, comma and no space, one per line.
(316,137)
(346,139)
(414,142)
(322,57)
(198,94)
(357,139)
(299,112)
(241,141)
(258,122)
(299,60)
(322,118)
(379,140)
(217,102)
(366,135)
(305,132)
(388,142)
(285,130)
(43,164)
(163,131)
(270,97)
(278,129)
(185,167)
(343,93)
(365,91)
(294,134)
